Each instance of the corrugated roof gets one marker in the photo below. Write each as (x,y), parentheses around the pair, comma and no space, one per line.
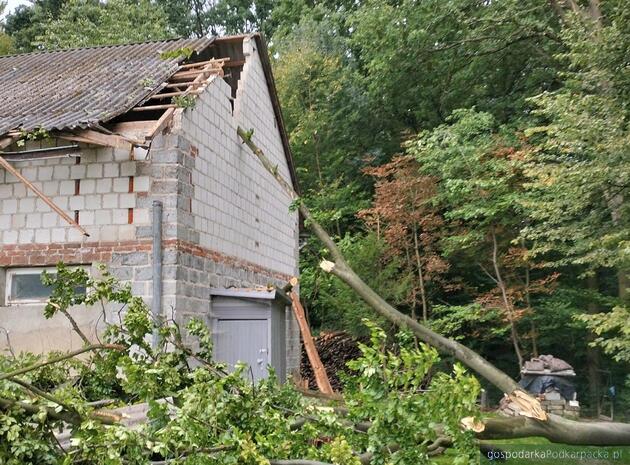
(80,87)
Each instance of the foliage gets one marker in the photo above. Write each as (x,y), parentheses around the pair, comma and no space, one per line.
(89,22)
(617,324)
(580,162)
(26,22)
(404,213)
(216,17)
(35,134)
(178,54)
(323,112)
(333,305)
(201,413)
(6,43)
(184,101)
(386,389)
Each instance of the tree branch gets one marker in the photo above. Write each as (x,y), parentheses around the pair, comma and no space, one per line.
(61,358)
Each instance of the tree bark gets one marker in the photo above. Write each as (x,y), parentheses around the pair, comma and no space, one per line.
(592,353)
(555,428)
(506,301)
(423,294)
(559,430)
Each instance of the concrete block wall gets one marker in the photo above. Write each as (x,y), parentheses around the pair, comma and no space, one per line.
(110,192)
(238,208)
(96,184)
(239,212)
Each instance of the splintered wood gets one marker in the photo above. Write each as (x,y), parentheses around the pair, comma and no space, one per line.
(193,76)
(321,378)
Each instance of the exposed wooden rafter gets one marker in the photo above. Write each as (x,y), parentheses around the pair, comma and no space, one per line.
(201,76)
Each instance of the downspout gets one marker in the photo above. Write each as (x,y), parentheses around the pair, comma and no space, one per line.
(156,302)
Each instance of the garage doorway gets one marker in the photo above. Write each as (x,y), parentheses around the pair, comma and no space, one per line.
(249,326)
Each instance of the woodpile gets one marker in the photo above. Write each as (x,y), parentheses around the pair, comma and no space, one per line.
(335,350)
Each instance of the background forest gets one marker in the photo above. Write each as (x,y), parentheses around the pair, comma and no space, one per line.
(471,157)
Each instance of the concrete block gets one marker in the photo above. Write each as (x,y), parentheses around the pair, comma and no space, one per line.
(128,168)
(58,235)
(93,202)
(41,206)
(121,185)
(120,216)
(135,258)
(42,236)
(50,188)
(77,202)
(95,170)
(50,219)
(74,235)
(78,171)
(6,191)
(141,183)
(26,236)
(10,237)
(111,170)
(87,186)
(61,172)
(26,205)
(110,201)
(87,217)
(34,220)
(103,186)
(143,273)
(141,216)
(126,232)
(45,173)
(127,201)
(104,217)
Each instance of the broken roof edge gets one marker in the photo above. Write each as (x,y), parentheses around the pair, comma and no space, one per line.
(263,52)
(201,44)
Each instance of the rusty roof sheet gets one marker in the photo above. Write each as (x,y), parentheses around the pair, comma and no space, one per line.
(81,87)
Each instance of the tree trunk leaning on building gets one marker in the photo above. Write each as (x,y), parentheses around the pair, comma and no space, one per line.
(535,421)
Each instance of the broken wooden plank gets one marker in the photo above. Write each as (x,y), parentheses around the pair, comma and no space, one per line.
(184,84)
(321,378)
(89,136)
(155,107)
(163,121)
(174,94)
(8,140)
(187,74)
(7,166)
(204,63)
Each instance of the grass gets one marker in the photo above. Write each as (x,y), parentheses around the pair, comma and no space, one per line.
(539,451)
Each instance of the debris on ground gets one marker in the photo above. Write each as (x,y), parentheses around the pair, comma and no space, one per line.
(335,350)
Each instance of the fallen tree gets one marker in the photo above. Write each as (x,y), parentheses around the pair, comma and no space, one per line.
(169,410)
(539,423)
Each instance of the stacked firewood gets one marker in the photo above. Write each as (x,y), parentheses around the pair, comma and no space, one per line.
(335,350)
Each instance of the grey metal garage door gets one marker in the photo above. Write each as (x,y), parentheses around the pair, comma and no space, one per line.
(244,341)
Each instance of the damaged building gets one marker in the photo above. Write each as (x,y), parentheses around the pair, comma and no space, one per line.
(129,156)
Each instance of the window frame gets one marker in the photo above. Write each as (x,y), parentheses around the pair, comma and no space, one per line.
(11,272)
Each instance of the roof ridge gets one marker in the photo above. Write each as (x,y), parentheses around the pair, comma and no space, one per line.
(90,47)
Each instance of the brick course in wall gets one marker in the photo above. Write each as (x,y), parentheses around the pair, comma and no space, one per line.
(134,253)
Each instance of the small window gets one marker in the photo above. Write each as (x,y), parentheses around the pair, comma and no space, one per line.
(24,285)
